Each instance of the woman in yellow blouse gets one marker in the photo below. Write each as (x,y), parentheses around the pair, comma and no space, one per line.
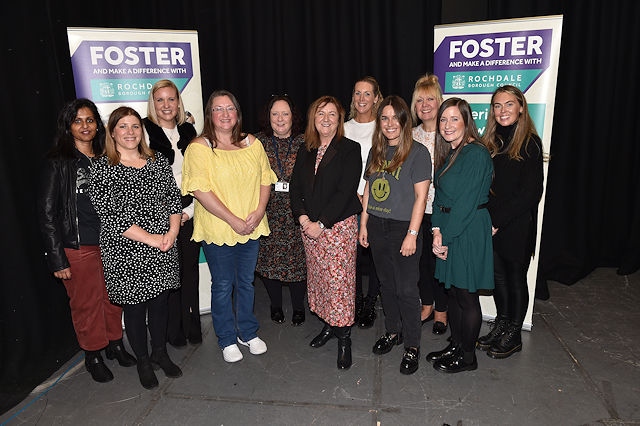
(228,173)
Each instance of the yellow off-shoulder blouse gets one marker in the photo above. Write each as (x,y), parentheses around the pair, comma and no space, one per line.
(235,178)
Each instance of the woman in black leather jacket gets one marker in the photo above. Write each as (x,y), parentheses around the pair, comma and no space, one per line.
(70,229)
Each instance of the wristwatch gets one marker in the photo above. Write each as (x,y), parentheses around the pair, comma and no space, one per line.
(321,225)
(412,232)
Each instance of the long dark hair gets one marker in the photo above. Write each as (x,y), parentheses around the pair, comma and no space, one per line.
(379,143)
(64,142)
(209,129)
(441,147)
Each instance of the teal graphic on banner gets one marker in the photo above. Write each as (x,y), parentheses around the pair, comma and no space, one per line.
(126,90)
(480,113)
(488,81)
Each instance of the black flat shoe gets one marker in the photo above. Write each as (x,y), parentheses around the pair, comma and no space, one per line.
(297,318)
(95,366)
(321,339)
(386,343)
(410,360)
(456,364)
(439,327)
(277,315)
(449,351)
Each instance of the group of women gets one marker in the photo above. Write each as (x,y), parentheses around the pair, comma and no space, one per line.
(431,213)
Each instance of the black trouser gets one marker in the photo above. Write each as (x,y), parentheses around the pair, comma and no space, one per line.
(430,288)
(136,317)
(398,277)
(465,317)
(184,302)
(365,266)
(511,293)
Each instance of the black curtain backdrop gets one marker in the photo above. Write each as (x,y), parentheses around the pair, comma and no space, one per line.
(307,49)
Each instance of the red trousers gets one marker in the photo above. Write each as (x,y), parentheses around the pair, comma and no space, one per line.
(95,319)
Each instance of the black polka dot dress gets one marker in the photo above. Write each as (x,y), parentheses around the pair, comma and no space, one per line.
(124,196)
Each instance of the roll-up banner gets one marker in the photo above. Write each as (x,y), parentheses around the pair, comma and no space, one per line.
(119,66)
(473,59)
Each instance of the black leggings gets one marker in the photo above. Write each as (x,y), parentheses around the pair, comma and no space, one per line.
(153,311)
(511,294)
(465,317)
(297,289)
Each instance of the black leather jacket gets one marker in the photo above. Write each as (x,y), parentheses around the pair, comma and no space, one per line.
(57,210)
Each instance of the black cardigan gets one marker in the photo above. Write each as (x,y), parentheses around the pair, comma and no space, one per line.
(330,195)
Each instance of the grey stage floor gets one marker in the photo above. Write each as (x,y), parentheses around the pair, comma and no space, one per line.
(579,366)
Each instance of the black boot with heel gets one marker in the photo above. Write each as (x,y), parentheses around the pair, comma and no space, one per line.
(344,346)
(116,350)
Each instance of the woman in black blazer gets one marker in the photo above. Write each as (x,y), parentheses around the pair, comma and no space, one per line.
(325,202)
(515,193)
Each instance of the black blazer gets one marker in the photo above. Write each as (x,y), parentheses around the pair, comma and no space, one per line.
(330,195)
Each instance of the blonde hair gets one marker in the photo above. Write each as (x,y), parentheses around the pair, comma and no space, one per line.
(428,83)
(376,93)
(151,109)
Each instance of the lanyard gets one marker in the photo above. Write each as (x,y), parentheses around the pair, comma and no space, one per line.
(275,149)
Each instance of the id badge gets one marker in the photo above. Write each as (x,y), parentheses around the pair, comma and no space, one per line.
(282,186)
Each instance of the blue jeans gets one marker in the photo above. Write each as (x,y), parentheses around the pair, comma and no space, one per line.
(232,293)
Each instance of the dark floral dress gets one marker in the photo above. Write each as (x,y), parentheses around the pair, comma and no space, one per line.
(281,256)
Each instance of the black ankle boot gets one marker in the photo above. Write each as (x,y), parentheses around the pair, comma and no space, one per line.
(148,378)
(95,366)
(116,350)
(451,349)
(344,346)
(509,343)
(368,316)
(160,359)
(498,327)
(321,339)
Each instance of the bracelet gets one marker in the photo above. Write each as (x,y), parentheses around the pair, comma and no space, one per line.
(412,232)
(321,225)
(435,228)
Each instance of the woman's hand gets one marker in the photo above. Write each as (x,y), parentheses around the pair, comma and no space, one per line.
(240,226)
(254,218)
(438,249)
(363,236)
(64,274)
(409,244)
(168,240)
(313,230)
(183,218)
(493,231)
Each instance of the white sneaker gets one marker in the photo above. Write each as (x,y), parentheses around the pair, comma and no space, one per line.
(232,353)
(256,345)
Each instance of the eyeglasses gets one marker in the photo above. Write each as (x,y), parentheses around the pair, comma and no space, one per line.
(220,109)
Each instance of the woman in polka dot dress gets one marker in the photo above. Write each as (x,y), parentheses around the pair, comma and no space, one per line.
(136,197)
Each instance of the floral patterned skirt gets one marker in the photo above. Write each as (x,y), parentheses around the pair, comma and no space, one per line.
(331,272)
